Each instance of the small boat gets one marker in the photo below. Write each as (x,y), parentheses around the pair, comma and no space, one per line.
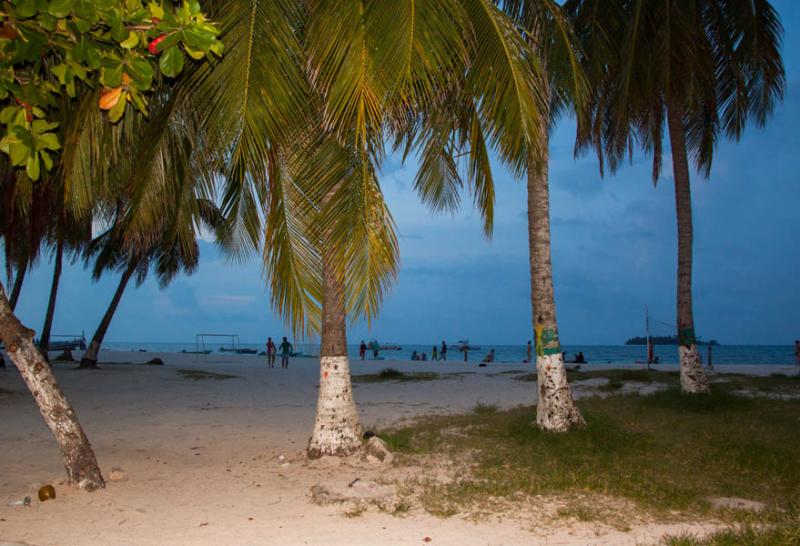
(390,347)
(238,351)
(206,352)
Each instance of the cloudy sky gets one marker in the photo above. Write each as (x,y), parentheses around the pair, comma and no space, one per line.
(614,251)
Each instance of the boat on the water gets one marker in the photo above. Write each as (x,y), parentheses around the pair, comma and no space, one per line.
(389,346)
(238,351)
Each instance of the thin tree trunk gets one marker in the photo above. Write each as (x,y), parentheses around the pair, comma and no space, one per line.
(58,414)
(337,429)
(89,359)
(693,380)
(44,339)
(555,408)
(17,288)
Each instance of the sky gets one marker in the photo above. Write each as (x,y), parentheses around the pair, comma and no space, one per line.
(614,252)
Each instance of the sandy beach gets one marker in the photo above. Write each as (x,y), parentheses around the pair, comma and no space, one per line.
(221,461)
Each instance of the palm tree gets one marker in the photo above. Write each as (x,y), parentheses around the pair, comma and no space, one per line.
(698,68)
(356,74)
(457,129)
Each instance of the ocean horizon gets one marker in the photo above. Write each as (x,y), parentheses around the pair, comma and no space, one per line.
(597,354)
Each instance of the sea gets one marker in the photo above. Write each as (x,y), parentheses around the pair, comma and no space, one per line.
(598,354)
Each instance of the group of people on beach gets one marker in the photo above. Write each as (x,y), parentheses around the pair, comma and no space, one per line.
(285,348)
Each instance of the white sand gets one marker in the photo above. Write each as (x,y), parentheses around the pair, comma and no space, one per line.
(202,457)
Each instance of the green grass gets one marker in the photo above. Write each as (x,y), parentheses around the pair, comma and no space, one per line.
(199,375)
(391,374)
(666,452)
(784,531)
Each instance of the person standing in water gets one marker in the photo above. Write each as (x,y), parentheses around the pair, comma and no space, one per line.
(709,363)
(528,352)
(434,353)
(286,351)
(271,353)
(443,352)
(797,352)
(362,350)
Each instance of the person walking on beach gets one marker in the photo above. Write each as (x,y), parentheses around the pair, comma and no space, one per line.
(443,352)
(270,353)
(709,364)
(286,351)
(797,352)
(362,350)
(465,348)
(528,352)
(434,353)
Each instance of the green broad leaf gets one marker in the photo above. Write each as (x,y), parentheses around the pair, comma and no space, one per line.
(139,101)
(41,126)
(32,167)
(194,7)
(171,62)
(198,38)
(47,160)
(111,77)
(86,9)
(155,10)
(60,8)
(47,141)
(131,41)
(82,25)
(80,50)
(195,54)
(7,114)
(38,112)
(19,153)
(26,8)
(141,72)
(105,5)
(92,57)
(60,72)
(115,114)
(47,21)
(217,48)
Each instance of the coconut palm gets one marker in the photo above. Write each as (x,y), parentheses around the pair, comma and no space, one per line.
(457,130)
(349,75)
(699,68)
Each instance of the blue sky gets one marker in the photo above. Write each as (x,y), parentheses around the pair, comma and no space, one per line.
(614,251)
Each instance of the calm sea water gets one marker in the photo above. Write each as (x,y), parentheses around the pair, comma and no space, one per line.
(599,354)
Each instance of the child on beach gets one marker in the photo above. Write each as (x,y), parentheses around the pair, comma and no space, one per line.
(434,353)
(270,352)
(286,351)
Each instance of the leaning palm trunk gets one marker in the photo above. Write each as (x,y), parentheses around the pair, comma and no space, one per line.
(79,459)
(44,340)
(89,359)
(17,288)
(337,430)
(555,409)
(693,380)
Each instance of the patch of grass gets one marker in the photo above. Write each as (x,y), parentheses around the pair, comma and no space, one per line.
(613,384)
(480,408)
(199,375)
(665,452)
(507,372)
(391,374)
(622,375)
(782,532)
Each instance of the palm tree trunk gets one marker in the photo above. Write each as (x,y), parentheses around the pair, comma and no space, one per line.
(15,291)
(58,414)
(693,380)
(44,340)
(555,408)
(89,359)
(337,429)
